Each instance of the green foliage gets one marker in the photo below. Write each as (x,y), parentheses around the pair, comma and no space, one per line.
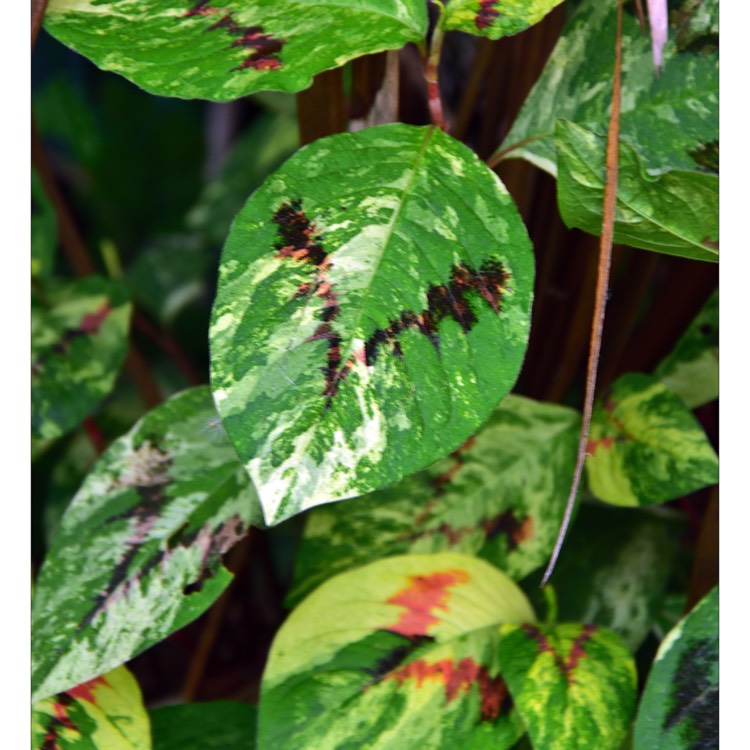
(494,19)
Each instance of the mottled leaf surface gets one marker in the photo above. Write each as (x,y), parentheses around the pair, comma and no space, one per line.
(208,49)
(43,230)
(645,446)
(79,337)
(494,18)
(691,369)
(680,705)
(573,685)
(138,552)
(105,713)
(214,725)
(675,212)
(672,121)
(399,653)
(498,497)
(615,567)
(373,308)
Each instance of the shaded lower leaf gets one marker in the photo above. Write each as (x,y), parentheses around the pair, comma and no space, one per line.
(691,369)
(401,652)
(138,551)
(676,212)
(43,230)
(680,705)
(214,725)
(79,337)
(573,685)
(497,497)
(645,446)
(105,713)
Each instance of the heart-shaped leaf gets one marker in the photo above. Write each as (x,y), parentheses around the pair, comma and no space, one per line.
(225,49)
(399,653)
(494,18)
(105,713)
(372,309)
(138,551)
(498,496)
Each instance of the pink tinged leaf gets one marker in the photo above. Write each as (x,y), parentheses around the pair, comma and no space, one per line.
(657,19)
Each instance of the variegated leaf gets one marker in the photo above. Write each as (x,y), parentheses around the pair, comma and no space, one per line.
(671,120)
(43,230)
(222,50)
(645,446)
(498,496)
(79,338)
(676,212)
(399,653)
(373,308)
(691,369)
(494,18)
(680,705)
(573,685)
(105,713)
(138,551)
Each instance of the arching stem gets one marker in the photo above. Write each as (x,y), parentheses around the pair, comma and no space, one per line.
(431,75)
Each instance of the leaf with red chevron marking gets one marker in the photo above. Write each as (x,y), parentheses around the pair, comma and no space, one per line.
(494,18)
(398,653)
(573,685)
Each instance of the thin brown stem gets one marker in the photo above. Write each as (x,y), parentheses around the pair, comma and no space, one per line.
(498,156)
(431,79)
(602,285)
(38,9)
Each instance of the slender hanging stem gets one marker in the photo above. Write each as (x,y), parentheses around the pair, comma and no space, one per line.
(602,286)
(38,8)
(431,77)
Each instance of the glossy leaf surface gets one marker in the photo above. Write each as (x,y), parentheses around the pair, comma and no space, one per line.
(373,308)
(498,497)
(645,446)
(401,652)
(225,50)
(105,713)
(79,338)
(670,120)
(494,18)
(213,725)
(573,685)
(676,212)
(138,551)
(680,705)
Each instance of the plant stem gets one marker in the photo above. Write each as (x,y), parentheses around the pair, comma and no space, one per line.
(38,8)
(431,78)
(602,285)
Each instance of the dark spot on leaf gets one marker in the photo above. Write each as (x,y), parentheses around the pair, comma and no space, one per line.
(487,14)
(58,721)
(516,531)
(577,651)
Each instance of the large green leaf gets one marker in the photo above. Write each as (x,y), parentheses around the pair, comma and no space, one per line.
(105,713)
(645,446)
(498,496)
(676,212)
(399,653)
(137,554)
(614,568)
(215,725)
(691,369)
(680,704)
(574,685)
(43,230)
(671,120)
(224,50)
(373,308)
(79,338)
(494,18)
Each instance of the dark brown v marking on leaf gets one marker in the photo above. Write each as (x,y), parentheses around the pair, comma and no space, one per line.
(487,14)
(577,652)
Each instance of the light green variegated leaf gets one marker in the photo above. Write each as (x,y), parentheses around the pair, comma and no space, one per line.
(494,18)
(676,212)
(225,50)
(671,120)
(615,567)
(79,338)
(214,725)
(573,685)
(373,307)
(43,230)
(137,555)
(498,497)
(691,369)
(105,713)
(399,653)
(645,446)
(680,705)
